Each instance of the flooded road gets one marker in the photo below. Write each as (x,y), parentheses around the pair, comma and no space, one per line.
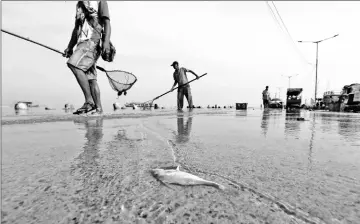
(276,168)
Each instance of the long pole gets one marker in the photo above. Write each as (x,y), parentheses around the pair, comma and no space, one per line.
(27,39)
(50,48)
(179,87)
(317,53)
(57,51)
(289,81)
(289,77)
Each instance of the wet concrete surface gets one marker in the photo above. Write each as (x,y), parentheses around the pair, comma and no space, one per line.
(276,169)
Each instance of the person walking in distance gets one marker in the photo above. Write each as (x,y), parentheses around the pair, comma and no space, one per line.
(180,78)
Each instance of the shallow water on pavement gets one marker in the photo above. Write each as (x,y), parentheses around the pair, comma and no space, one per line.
(276,169)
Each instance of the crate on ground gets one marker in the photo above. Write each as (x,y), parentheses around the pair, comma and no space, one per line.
(241,106)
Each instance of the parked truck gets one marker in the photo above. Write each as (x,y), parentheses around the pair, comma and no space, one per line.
(293,98)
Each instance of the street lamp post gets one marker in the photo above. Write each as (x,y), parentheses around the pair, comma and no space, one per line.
(317,53)
(290,76)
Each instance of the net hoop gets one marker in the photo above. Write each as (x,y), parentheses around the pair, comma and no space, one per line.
(120,80)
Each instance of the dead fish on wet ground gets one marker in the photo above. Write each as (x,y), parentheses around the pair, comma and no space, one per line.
(171,176)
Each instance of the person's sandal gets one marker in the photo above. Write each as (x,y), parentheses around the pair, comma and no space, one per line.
(87,107)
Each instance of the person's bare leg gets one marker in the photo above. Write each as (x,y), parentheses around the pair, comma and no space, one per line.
(180,99)
(83,82)
(95,92)
(189,97)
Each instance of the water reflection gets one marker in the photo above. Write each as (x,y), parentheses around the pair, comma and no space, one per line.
(93,136)
(265,121)
(68,111)
(292,126)
(349,128)
(311,145)
(21,112)
(183,128)
(274,115)
(347,125)
(326,123)
(241,113)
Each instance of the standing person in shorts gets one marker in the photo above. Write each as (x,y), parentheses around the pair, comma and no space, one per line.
(92,26)
(266,97)
(180,78)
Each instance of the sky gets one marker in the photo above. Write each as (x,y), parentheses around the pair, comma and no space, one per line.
(238,43)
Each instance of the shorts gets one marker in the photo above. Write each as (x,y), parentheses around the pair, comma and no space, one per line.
(184,91)
(85,57)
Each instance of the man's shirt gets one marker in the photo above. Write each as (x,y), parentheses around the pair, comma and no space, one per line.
(266,95)
(180,76)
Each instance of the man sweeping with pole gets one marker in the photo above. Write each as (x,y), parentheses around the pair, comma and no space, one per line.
(180,78)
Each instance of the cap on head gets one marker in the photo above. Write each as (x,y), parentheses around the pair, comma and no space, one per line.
(174,63)
(267,87)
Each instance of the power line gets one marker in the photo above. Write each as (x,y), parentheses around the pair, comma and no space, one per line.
(275,18)
(273,15)
(277,22)
(282,20)
(285,30)
(289,35)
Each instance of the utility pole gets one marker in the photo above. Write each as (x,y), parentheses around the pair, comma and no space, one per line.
(317,53)
(290,76)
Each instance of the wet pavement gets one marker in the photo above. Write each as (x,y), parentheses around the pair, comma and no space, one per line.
(276,168)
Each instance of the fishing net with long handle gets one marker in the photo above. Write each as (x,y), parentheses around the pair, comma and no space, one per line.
(150,102)
(120,81)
